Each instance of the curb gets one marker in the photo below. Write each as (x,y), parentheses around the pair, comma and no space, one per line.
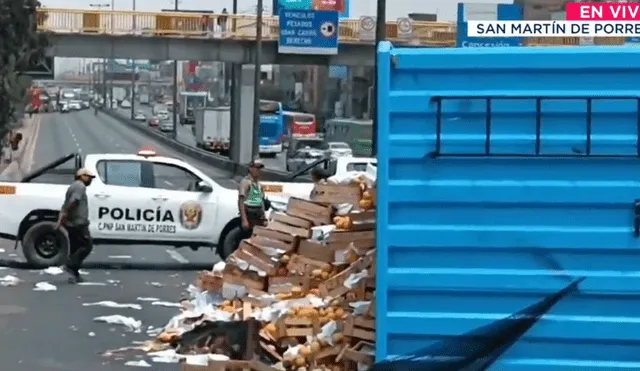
(216,161)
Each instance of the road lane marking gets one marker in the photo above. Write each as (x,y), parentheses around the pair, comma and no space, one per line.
(177,257)
(31,150)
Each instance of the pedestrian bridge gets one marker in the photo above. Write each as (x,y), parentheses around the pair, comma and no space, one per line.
(227,38)
(207,37)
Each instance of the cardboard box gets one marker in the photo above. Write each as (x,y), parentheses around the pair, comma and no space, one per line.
(337,194)
(317,213)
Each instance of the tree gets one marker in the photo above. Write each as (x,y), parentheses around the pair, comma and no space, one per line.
(22,46)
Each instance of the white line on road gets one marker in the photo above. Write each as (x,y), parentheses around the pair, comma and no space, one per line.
(177,257)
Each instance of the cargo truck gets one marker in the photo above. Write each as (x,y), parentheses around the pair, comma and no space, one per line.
(508,220)
(143,98)
(190,101)
(212,129)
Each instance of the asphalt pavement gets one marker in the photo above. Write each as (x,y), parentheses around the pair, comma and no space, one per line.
(54,331)
(185,136)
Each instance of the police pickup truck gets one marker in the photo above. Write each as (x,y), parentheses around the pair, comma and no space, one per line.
(135,199)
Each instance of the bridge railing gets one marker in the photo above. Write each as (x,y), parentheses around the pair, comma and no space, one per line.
(242,27)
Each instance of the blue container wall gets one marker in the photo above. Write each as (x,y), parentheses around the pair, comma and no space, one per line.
(467,241)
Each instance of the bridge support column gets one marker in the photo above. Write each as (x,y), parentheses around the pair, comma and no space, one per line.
(242,88)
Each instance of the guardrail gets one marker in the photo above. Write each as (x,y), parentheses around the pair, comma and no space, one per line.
(217,161)
(240,27)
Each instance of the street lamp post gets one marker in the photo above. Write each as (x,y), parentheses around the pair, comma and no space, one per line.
(104,60)
(175,89)
(257,79)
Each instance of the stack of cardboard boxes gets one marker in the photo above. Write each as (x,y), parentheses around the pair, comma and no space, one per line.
(317,261)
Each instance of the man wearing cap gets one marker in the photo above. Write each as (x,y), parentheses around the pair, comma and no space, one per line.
(74,217)
(251,198)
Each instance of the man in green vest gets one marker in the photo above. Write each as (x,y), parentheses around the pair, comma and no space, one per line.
(251,198)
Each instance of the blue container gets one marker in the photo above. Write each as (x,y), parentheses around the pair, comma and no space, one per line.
(520,252)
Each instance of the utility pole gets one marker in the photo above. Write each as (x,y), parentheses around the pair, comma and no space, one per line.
(381,35)
(175,89)
(133,69)
(257,80)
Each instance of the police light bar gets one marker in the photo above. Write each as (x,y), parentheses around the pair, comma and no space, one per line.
(146,152)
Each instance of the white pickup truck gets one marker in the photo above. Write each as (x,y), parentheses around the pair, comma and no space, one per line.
(136,199)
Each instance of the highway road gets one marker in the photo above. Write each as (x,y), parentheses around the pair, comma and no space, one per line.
(34,323)
(185,136)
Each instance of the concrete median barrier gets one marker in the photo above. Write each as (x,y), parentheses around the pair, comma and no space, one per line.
(217,161)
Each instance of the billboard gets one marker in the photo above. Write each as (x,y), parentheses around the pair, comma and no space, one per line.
(486,12)
(342,6)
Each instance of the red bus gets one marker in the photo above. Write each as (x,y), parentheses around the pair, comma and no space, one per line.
(299,123)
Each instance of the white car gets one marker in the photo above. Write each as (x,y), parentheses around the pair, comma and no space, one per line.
(136,199)
(165,126)
(163,115)
(340,149)
(75,105)
(125,104)
(140,116)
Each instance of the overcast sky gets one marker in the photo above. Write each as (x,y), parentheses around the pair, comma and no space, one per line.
(445,9)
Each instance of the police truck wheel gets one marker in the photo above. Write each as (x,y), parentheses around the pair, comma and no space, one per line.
(45,246)
(231,242)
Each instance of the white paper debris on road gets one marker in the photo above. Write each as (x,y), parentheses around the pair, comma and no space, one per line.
(91,284)
(119,256)
(83,272)
(112,304)
(157,284)
(166,304)
(53,271)
(147,299)
(9,280)
(1,250)
(92,334)
(116,319)
(165,356)
(44,286)
(140,363)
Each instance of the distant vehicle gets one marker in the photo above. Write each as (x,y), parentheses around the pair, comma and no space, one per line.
(189,101)
(165,126)
(297,124)
(153,122)
(143,98)
(271,128)
(75,105)
(163,115)
(356,133)
(86,104)
(303,151)
(140,116)
(159,107)
(340,149)
(211,129)
(125,104)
